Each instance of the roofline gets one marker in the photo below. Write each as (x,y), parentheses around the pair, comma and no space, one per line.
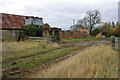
(22,15)
(14,14)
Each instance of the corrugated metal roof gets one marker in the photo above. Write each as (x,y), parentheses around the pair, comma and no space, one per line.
(12,21)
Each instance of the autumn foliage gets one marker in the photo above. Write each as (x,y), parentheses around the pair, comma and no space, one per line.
(110,30)
(116,31)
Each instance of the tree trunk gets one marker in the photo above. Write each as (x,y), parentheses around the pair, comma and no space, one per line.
(90,31)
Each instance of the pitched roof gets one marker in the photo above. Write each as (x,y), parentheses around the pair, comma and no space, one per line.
(46,25)
(12,21)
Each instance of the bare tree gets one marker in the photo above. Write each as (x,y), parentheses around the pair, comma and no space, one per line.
(90,20)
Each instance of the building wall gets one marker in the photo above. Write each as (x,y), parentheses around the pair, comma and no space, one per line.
(38,21)
(13,35)
(99,34)
(84,30)
(73,34)
(35,21)
(10,35)
(28,21)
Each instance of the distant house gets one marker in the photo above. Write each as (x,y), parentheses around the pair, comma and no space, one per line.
(101,34)
(84,30)
(45,32)
(11,25)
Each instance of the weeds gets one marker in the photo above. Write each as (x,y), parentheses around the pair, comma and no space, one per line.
(94,62)
(13,50)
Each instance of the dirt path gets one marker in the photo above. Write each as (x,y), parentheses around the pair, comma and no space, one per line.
(37,72)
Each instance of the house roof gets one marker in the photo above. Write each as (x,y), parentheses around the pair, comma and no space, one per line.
(12,21)
(46,25)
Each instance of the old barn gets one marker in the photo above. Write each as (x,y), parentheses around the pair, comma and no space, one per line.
(11,25)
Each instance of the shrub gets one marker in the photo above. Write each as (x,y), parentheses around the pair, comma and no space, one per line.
(31,30)
(117,31)
(95,32)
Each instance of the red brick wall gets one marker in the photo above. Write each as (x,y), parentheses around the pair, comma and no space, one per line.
(73,34)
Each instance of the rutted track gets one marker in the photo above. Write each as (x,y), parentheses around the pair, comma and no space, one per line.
(68,45)
(37,71)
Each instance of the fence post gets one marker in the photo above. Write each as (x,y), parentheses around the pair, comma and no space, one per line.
(113,42)
(117,43)
(48,38)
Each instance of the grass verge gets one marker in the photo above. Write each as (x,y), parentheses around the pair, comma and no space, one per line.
(82,39)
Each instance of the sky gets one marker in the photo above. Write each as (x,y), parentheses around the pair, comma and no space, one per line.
(60,13)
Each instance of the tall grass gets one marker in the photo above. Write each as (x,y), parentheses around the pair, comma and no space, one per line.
(36,61)
(15,50)
(94,62)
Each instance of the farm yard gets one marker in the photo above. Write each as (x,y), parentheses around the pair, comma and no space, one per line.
(87,48)
(86,57)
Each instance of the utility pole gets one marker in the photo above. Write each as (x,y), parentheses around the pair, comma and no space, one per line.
(73,22)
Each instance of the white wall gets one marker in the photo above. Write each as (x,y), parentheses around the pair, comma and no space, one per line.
(27,21)
(38,21)
(35,21)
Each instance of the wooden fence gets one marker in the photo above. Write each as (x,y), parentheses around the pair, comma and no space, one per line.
(115,43)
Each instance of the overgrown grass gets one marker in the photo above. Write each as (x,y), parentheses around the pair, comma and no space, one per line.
(119,51)
(13,50)
(94,62)
(39,60)
(82,39)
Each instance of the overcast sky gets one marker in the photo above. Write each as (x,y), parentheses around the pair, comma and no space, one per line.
(60,13)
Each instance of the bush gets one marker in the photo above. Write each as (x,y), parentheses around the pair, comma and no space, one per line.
(117,31)
(95,32)
(33,31)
